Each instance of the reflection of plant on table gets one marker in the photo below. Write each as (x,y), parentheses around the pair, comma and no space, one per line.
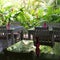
(22,46)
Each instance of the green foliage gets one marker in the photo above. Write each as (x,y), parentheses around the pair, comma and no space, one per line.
(46,49)
(30,13)
(22,46)
(52,15)
(57,48)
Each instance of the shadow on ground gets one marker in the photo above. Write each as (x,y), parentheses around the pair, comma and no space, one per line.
(28,56)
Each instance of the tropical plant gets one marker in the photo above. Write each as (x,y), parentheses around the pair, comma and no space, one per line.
(30,13)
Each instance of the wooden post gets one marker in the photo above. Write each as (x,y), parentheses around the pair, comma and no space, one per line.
(37,47)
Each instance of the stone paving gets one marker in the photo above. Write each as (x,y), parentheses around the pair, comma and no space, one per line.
(3,44)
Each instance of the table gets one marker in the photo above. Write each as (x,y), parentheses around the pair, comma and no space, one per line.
(31,31)
(41,36)
(18,29)
(12,30)
(56,32)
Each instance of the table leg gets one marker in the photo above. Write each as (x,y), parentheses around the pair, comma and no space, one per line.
(12,37)
(6,40)
(28,35)
(21,35)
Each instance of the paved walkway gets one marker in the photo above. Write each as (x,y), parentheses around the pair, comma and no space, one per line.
(3,44)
